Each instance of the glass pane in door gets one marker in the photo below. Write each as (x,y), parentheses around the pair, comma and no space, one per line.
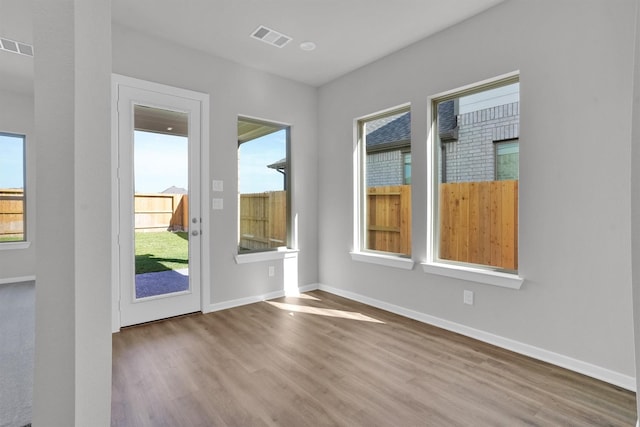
(161,202)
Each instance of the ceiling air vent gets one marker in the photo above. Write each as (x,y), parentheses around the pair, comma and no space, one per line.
(270,36)
(16,47)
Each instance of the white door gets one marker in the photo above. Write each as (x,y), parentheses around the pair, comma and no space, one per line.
(159,133)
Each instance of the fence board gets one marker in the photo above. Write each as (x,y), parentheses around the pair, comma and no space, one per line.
(11,212)
(474,220)
(496,223)
(263,220)
(161,212)
(484,224)
(479,223)
(389,219)
(463,221)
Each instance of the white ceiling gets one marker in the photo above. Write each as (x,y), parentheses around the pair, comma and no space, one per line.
(348,33)
(16,71)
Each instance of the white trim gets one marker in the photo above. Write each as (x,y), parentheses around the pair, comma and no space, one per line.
(360,184)
(203,99)
(115,214)
(6,246)
(254,299)
(205,202)
(383,259)
(475,85)
(135,83)
(17,279)
(431,265)
(263,256)
(488,277)
(612,377)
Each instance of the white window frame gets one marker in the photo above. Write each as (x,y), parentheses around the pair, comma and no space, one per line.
(359,252)
(290,246)
(469,272)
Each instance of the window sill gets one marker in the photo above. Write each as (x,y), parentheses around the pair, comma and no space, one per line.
(495,278)
(14,245)
(264,256)
(381,259)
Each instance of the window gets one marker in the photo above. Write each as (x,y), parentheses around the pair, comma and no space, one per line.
(507,160)
(384,189)
(475,205)
(263,184)
(12,188)
(407,167)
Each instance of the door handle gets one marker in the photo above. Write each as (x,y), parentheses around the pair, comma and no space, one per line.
(195,232)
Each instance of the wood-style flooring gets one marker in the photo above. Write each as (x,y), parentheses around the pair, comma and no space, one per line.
(322,360)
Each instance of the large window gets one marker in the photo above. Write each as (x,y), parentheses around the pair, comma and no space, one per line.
(263,185)
(384,189)
(12,188)
(475,208)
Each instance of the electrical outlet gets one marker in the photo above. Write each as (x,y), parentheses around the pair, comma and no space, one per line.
(468,297)
(272,271)
(216,204)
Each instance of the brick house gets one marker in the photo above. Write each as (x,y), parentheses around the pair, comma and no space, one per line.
(480,145)
(388,142)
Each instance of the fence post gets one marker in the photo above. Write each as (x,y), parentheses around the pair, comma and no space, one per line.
(185,212)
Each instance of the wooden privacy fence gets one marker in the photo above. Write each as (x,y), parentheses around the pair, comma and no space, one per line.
(161,212)
(389,219)
(11,212)
(479,223)
(263,220)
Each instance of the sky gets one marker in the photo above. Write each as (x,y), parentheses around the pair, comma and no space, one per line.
(253,158)
(11,161)
(161,161)
(490,98)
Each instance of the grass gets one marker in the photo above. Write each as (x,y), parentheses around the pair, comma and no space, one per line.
(11,239)
(161,251)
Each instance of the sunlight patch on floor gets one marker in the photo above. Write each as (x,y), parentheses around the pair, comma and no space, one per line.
(304,296)
(351,315)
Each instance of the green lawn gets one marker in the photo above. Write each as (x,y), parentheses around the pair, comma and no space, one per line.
(11,239)
(161,251)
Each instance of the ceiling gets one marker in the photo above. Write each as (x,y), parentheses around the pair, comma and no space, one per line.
(157,120)
(249,129)
(348,33)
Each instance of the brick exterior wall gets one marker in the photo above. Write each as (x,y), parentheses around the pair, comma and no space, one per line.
(472,156)
(385,168)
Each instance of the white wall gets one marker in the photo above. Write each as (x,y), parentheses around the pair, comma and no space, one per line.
(575,59)
(72,104)
(236,90)
(16,116)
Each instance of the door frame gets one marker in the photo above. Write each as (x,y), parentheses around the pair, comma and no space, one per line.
(117,81)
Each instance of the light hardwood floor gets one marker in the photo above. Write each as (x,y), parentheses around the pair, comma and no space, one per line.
(322,360)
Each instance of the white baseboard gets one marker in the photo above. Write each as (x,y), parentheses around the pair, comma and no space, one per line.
(612,377)
(253,299)
(17,279)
